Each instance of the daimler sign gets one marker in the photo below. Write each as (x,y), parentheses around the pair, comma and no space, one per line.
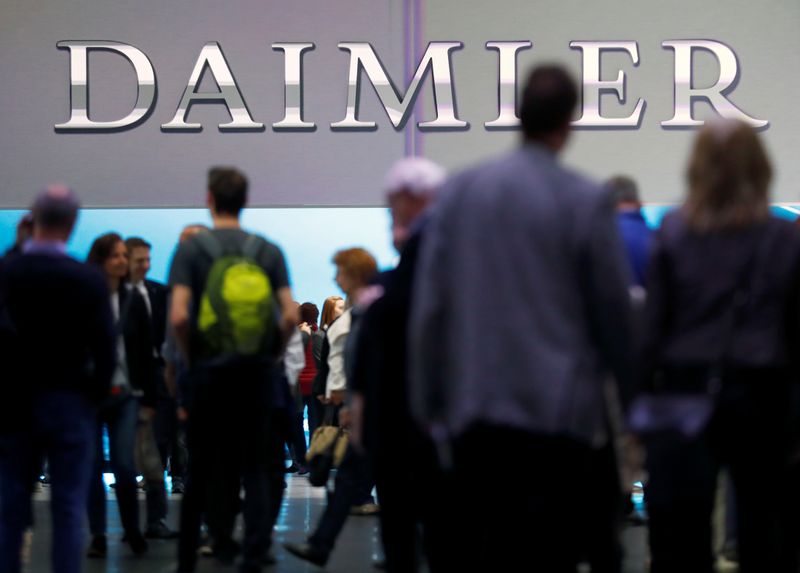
(436,62)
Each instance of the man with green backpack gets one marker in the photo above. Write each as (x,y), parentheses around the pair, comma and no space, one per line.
(232,313)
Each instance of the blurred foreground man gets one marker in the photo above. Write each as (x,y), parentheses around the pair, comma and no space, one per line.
(520,310)
(407,481)
(64,352)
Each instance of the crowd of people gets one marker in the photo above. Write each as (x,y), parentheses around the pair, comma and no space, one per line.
(533,318)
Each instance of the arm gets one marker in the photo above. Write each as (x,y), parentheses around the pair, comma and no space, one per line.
(179,317)
(605,283)
(657,310)
(337,379)
(317,341)
(102,342)
(294,359)
(289,314)
(427,323)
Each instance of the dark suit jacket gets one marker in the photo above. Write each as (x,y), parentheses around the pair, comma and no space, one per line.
(137,331)
(693,279)
(158,294)
(381,364)
(60,334)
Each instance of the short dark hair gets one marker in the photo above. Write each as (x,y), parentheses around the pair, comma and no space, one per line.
(309,313)
(228,187)
(102,247)
(548,100)
(623,189)
(137,243)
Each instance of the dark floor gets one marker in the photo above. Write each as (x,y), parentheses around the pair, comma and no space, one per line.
(355,551)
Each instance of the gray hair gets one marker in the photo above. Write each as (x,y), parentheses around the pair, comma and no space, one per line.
(56,207)
(416,175)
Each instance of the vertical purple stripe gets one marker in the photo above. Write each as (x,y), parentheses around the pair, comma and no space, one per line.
(419,32)
(408,55)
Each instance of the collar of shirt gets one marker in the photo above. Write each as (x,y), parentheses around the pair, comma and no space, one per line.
(45,247)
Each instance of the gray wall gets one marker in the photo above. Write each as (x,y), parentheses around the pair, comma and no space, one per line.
(764,35)
(145,167)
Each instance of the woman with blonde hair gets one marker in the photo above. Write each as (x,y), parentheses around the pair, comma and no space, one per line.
(721,339)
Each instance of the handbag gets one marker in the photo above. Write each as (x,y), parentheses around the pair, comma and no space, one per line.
(687,412)
(326,450)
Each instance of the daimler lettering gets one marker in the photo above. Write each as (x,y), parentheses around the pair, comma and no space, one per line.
(436,63)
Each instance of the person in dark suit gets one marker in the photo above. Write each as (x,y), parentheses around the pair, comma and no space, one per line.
(723,318)
(57,369)
(407,478)
(165,425)
(131,401)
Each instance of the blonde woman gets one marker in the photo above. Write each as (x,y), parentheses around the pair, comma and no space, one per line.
(722,319)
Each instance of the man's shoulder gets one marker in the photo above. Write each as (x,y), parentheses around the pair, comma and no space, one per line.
(155,286)
(56,267)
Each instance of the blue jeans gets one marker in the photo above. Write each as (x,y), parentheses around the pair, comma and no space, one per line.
(62,430)
(121,418)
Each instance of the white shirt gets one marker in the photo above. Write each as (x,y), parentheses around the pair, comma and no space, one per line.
(294,359)
(140,286)
(337,337)
(120,377)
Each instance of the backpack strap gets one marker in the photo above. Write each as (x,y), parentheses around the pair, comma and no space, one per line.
(209,243)
(252,247)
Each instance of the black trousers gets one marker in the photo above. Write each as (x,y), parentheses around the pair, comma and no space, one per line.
(412,493)
(600,520)
(528,529)
(227,440)
(169,438)
(749,434)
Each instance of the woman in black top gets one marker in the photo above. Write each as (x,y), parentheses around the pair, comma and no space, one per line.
(132,398)
(331,310)
(722,312)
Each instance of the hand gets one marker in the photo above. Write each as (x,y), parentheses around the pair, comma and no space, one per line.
(305,327)
(344,418)
(323,399)
(337,397)
(146,413)
(183,414)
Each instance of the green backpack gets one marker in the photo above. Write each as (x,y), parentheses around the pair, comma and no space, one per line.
(237,316)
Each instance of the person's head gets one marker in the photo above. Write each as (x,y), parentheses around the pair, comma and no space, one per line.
(55,211)
(548,102)
(624,192)
(332,308)
(109,253)
(24,229)
(355,268)
(190,231)
(138,258)
(411,185)
(728,176)
(227,191)
(309,313)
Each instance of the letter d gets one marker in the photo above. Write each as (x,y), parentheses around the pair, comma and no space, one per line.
(79,88)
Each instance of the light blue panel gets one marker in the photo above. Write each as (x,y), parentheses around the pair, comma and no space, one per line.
(309,237)
(654,213)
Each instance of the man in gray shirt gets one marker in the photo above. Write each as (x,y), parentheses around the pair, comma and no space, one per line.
(520,314)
